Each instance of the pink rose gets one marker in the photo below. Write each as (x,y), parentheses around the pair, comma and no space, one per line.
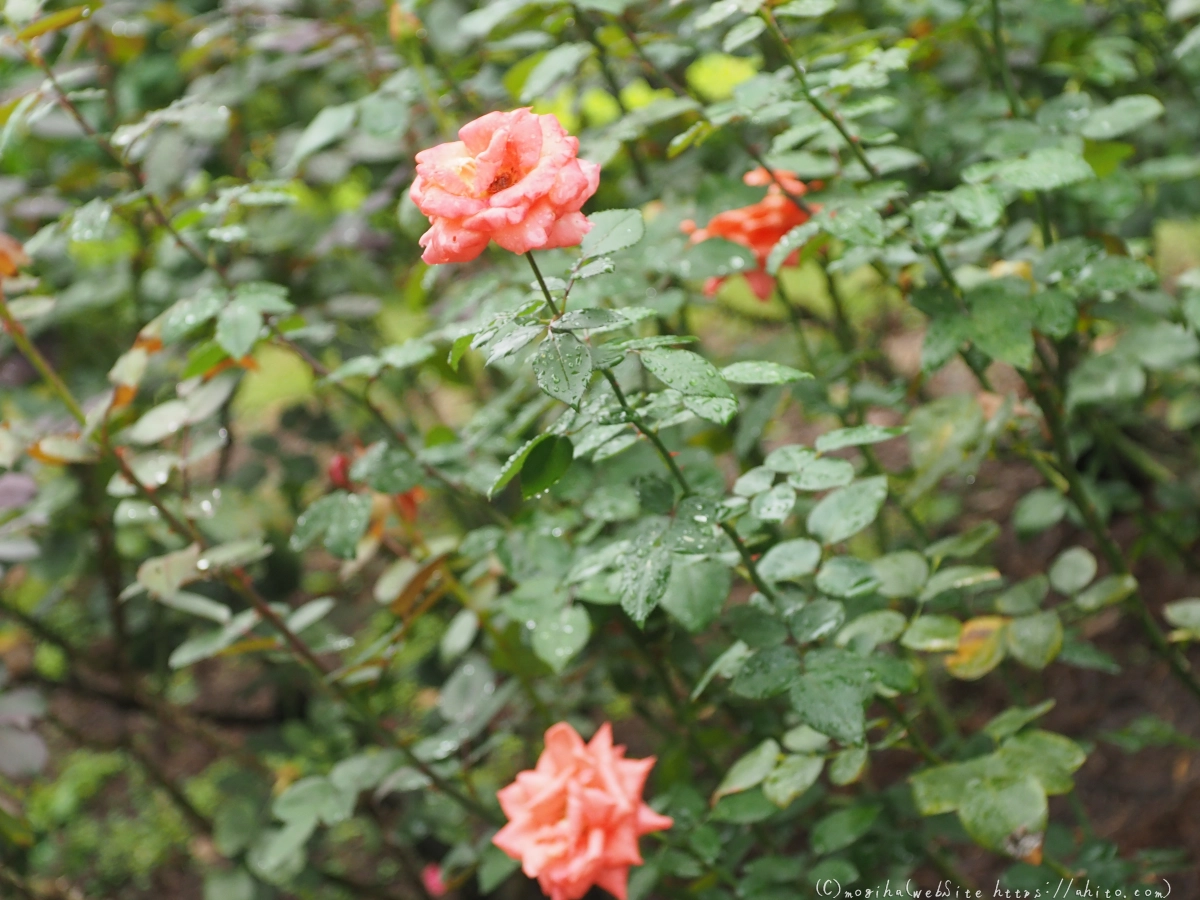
(575,820)
(431,877)
(513,178)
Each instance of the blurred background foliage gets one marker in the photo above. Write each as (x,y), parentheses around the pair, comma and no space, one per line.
(291,590)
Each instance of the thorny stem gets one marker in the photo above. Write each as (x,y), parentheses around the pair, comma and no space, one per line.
(668,459)
(855,146)
(588,27)
(240,583)
(1108,546)
(542,283)
(35,58)
(16,331)
(1017,108)
(402,440)
(915,739)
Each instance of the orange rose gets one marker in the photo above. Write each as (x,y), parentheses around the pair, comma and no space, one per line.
(575,820)
(513,178)
(758,227)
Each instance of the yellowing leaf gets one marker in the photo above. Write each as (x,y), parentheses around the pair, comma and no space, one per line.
(980,648)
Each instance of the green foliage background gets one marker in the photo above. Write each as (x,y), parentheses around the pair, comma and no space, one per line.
(303,543)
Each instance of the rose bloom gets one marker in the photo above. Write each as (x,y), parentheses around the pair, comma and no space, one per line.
(758,227)
(513,178)
(575,819)
(431,877)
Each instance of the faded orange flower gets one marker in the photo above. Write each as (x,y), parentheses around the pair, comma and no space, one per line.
(575,819)
(758,227)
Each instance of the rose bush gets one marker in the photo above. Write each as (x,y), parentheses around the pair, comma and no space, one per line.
(831,448)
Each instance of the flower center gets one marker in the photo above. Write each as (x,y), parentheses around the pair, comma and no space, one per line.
(500,182)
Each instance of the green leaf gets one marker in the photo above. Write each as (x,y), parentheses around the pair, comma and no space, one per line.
(238,327)
(1123,115)
(868,631)
(1114,274)
(749,771)
(816,620)
(957,578)
(612,230)
(389,470)
(768,672)
(1035,640)
(1189,44)
(585,319)
(716,409)
(558,639)
(695,135)
(358,367)
(1002,320)
(687,372)
(855,223)
(561,62)
(314,799)
(791,458)
(514,463)
(1048,757)
(794,775)
(901,574)
(932,634)
(495,867)
(830,704)
(846,576)
(790,560)
(186,315)
(1038,510)
(159,422)
(743,33)
(350,516)
(790,242)
(726,665)
(1014,719)
(757,372)
(341,517)
(332,123)
(1184,615)
(644,576)
(197,605)
(164,575)
(848,510)
(857,436)
(696,592)
(545,464)
(267,298)
(774,505)
(1006,815)
(963,545)
(1111,378)
(932,220)
(1046,169)
(823,474)
(406,355)
(848,765)
(1073,570)
(563,367)
(842,828)
(979,205)
(1106,592)
(806,9)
